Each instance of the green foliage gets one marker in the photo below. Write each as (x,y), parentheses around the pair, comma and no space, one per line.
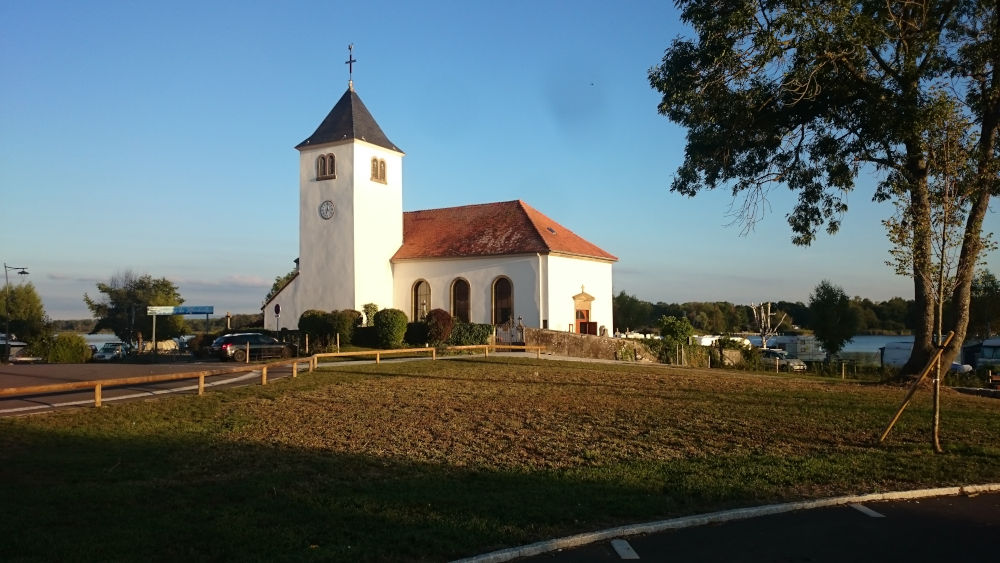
(344,323)
(122,310)
(835,322)
(798,93)
(630,313)
(279,283)
(27,317)
(67,349)
(675,330)
(416,334)
(369,310)
(984,310)
(319,325)
(470,334)
(390,327)
(439,326)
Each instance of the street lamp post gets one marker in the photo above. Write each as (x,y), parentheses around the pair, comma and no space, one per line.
(6,337)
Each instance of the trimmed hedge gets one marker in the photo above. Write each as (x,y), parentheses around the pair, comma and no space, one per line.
(390,328)
(470,334)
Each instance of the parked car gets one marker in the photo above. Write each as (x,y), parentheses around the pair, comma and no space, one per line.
(110,352)
(234,347)
(773,356)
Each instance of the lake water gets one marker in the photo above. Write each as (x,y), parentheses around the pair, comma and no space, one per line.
(871,343)
(861,343)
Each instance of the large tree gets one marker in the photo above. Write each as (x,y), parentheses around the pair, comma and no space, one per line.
(835,321)
(122,309)
(809,94)
(26,315)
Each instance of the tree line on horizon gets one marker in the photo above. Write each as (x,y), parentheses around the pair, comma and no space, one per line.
(892,316)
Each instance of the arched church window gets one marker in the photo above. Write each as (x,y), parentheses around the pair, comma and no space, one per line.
(503,300)
(378,170)
(326,167)
(421,300)
(460,300)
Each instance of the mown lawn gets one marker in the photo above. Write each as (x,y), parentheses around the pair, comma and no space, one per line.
(429,461)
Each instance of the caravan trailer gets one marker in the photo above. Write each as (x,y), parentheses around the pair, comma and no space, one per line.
(805,348)
(895,354)
(989,357)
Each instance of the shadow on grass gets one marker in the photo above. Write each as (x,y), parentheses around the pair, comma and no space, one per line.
(83,498)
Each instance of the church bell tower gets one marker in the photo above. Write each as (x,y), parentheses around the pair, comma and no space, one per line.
(350,209)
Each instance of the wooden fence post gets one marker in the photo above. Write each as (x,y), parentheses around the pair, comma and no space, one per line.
(97,395)
(378,357)
(248,353)
(338,342)
(201,384)
(295,369)
(263,375)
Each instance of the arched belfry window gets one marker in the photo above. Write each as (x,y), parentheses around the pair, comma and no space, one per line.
(421,300)
(460,299)
(326,167)
(378,169)
(503,300)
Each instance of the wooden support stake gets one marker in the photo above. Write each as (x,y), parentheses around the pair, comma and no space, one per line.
(201,384)
(295,369)
(434,355)
(263,375)
(248,353)
(97,395)
(486,351)
(378,358)
(915,384)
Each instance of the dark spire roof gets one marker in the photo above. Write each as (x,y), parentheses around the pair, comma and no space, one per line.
(349,119)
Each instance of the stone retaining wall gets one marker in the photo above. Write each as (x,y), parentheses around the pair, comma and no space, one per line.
(587,346)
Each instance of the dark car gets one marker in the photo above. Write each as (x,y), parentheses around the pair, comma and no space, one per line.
(235,347)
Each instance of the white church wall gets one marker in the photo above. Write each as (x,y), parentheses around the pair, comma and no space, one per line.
(564,277)
(291,310)
(326,246)
(378,226)
(522,270)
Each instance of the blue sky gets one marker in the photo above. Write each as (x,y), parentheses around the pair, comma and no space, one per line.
(158,138)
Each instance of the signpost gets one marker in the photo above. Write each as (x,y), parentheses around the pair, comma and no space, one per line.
(158,310)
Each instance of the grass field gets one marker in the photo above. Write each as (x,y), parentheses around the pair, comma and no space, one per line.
(429,461)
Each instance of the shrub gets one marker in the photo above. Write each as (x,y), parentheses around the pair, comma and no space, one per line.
(390,328)
(416,334)
(318,325)
(343,323)
(470,334)
(439,325)
(67,349)
(365,337)
(370,309)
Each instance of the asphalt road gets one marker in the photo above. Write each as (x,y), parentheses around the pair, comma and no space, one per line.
(47,374)
(961,529)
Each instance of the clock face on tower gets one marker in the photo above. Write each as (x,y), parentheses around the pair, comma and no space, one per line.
(326,209)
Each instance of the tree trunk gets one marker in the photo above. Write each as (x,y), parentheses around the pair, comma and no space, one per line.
(923,286)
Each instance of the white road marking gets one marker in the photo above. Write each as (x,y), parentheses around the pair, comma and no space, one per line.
(624,549)
(867,511)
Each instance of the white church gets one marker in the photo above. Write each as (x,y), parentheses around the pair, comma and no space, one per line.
(487,263)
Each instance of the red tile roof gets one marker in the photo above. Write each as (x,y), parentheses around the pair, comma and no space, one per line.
(489,229)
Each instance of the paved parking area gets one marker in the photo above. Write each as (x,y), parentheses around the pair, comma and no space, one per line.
(945,528)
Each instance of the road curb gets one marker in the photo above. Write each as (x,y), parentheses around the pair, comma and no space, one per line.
(578,540)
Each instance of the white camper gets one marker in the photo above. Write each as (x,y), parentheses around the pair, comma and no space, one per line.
(989,357)
(895,354)
(805,348)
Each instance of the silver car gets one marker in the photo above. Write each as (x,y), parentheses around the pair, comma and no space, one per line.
(778,359)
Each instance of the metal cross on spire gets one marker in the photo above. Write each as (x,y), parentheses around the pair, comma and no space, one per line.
(350,65)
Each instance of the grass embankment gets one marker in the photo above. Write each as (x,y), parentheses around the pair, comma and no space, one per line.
(437,460)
